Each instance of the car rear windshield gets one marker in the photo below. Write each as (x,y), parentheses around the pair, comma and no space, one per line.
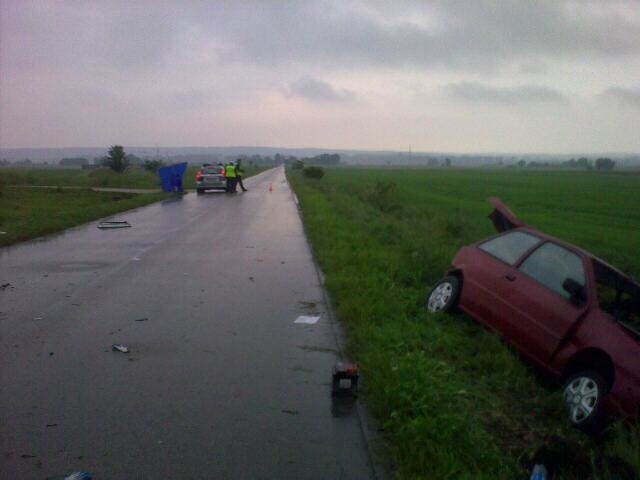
(212,170)
(510,246)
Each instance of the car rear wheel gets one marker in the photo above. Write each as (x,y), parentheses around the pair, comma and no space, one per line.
(444,295)
(200,191)
(584,393)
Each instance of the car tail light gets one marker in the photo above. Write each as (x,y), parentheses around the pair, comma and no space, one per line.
(199,176)
(224,173)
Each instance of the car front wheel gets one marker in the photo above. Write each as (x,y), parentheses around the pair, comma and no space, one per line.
(444,295)
(584,393)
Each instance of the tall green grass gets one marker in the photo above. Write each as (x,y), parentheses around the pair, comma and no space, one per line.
(68,177)
(454,401)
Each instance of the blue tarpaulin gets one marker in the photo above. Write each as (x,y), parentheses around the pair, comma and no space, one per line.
(171,177)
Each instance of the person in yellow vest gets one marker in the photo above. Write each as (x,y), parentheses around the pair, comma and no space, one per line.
(230,174)
(240,174)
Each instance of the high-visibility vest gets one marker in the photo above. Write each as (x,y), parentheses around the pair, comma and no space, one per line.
(231,171)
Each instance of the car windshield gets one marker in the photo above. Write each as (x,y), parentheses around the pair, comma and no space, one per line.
(212,170)
(618,296)
(510,246)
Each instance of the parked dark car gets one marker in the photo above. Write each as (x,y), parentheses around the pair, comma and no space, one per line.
(562,308)
(210,177)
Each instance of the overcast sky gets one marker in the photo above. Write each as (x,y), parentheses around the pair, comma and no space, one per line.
(457,76)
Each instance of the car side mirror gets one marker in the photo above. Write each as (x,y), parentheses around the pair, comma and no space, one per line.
(575,290)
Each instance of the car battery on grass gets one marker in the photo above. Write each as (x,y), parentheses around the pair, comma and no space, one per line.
(345,380)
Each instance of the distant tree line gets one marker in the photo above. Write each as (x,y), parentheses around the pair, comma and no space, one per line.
(601,164)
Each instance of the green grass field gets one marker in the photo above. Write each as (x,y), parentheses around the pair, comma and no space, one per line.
(453,400)
(29,213)
(73,177)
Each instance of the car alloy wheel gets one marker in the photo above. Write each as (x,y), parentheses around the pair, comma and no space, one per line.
(583,395)
(444,295)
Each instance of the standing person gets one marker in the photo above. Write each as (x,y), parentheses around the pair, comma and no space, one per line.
(240,174)
(230,173)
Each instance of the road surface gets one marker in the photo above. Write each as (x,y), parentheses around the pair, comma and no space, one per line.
(220,383)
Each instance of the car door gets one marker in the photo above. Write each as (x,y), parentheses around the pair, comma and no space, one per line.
(486,278)
(539,311)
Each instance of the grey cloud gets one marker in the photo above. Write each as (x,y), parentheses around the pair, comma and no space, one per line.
(61,35)
(190,99)
(465,34)
(457,34)
(318,90)
(477,92)
(624,96)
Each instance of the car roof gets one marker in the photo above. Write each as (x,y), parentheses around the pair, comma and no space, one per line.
(504,219)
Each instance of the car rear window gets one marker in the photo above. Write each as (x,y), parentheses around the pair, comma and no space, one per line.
(618,296)
(212,170)
(510,246)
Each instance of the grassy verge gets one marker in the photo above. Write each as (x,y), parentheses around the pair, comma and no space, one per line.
(68,177)
(30,213)
(454,401)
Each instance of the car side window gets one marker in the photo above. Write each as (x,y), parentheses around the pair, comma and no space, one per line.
(510,246)
(551,265)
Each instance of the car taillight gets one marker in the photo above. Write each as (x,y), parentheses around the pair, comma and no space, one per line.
(224,173)
(199,176)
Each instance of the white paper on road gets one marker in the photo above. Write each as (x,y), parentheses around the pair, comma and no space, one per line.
(307,319)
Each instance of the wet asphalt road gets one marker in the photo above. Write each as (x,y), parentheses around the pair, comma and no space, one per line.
(220,383)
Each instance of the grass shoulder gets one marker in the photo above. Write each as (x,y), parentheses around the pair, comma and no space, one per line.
(454,401)
(30,213)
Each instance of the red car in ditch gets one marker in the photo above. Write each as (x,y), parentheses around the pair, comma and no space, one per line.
(561,307)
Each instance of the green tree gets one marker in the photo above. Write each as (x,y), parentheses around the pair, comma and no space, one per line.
(605,164)
(153,165)
(117,159)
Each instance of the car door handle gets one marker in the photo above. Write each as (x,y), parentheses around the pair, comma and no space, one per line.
(510,276)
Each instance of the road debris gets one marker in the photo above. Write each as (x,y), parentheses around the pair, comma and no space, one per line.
(143,319)
(304,305)
(291,412)
(52,425)
(118,347)
(345,379)
(26,455)
(113,224)
(79,476)
(539,472)
(5,286)
(307,319)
